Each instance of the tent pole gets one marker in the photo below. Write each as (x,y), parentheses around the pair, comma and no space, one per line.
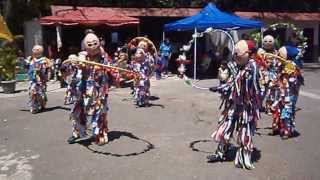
(261,35)
(163,36)
(195,55)
(58,36)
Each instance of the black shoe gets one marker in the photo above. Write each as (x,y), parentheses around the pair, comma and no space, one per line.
(214,158)
(72,140)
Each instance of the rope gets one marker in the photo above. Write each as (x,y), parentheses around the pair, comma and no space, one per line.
(192,83)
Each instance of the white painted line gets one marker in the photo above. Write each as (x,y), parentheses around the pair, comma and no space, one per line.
(310,95)
(16,166)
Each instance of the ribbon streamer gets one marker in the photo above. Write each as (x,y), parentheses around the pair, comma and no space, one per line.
(192,84)
(208,30)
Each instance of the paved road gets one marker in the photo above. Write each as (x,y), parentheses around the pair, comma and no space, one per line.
(169,140)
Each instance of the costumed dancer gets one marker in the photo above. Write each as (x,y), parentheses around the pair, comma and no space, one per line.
(90,84)
(270,70)
(148,47)
(142,85)
(143,63)
(240,105)
(38,70)
(290,83)
(268,45)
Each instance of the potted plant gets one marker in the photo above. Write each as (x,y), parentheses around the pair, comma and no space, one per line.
(7,68)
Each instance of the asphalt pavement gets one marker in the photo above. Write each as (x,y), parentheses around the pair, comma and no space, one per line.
(169,140)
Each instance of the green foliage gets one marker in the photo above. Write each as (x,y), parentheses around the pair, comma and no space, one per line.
(22,10)
(256,37)
(295,35)
(7,62)
(243,5)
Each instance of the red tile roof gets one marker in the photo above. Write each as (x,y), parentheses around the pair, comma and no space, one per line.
(184,12)
(88,16)
(284,16)
(136,12)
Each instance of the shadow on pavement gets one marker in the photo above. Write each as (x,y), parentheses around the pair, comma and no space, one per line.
(55,108)
(193,144)
(112,136)
(157,105)
(153,98)
(294,135)
(49,109)
(231,154)
(151,105)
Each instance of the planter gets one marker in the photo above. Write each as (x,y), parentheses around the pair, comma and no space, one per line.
(8,86)
(21,76)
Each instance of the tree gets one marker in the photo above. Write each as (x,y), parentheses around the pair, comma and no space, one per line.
(24,10)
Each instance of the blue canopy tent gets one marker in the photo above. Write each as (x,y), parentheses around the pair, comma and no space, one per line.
(211,16)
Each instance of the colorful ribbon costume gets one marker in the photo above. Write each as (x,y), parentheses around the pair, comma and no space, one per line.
(143,63)
(90,77)
(38,68)
(291,80)
(240,108)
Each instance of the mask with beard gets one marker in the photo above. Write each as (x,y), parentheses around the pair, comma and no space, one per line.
(37,51)
(92,44)
(241,52)
(268,43)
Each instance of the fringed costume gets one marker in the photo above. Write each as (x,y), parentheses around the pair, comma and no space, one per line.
(143,63)
(240,108)
(291,80)
(270,71)
(90,87)
(38,69)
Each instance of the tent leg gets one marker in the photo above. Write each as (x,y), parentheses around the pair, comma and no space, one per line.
(261,36)
(163,36)
(195,56)
(59,40)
